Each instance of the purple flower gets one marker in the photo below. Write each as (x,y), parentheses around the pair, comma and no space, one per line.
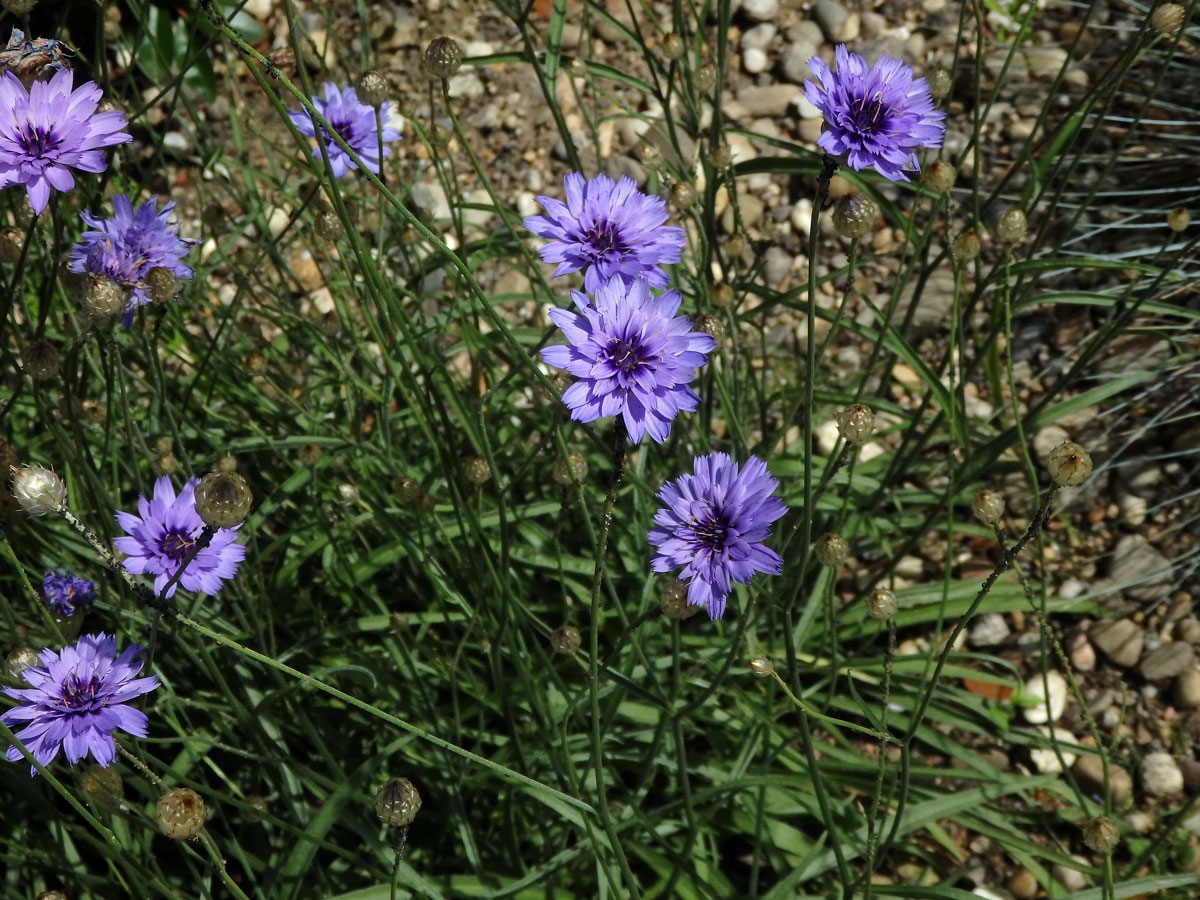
(130,244)
(355,124)
(607,228)
(77,699)
(874,117)
(713,526)
(632,355)
(64,592)
(49,128)
(165,531)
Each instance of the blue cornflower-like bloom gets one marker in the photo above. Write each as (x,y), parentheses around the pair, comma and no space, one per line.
(130,244)
(65,592)
(355,124)
(875,117)
(166,530)
(632,355)
(49,130)
(607,228)
(713,526)
(76,699)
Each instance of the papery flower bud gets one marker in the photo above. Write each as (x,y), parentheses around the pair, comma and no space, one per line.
(166,464)
(443,57)
(722,295)
(17,661)
(672,601)
(12,243)
(649,156)
(161,284)
(38,490)
(682,196)
(49,895)
(103,297)
(964,248)
(939,176)
(571,469)
(1011,227)
(988,507)
(856,423)
(672,47)
(41,360)
(854,215)
(407,490)
(721,157)
(1167,18)
(309,454)
(327,225)
(1069,464)
(372,87)
(397,802)
(565,639)
(102,784)
(1179,218)
(711,326)
(832,550)
(761,667)
(705,77)
(180,813)
(347,494)
(477,470)
(223,499)
(940,82)
(1101,834)
(881,604)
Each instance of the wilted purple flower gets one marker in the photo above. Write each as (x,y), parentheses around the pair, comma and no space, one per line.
(632,355)
(65,592)
(875,117)
(130,244)
(50,129)
(607,228)
(165,531)
(713,526)
(77,699)
(355,124)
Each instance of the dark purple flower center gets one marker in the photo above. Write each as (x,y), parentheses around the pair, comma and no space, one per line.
(868,113)
(176,544)
(605,237)
(80,693)
(38,143)
(625,355)
(711,531)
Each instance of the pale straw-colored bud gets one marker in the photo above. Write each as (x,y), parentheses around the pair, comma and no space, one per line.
(372,88)
(1011,226)
(443,57)
(104,298)
(570,469)
(964,248)
(1101,835)
(1167,18)
(832,550)
(672,601)
(881,604)
(854,215)
(397,802)
(1179,218)
(761,667)
(705,77)
(565,639)
(161,284)
(39,491)
(939,176)
(988,507)
(1069,464)
(223,499)
(672,47)
(940,82)
(856,423)
(180,813)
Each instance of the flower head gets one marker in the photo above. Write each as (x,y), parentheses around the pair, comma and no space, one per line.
(165,531)
(76,699)
(126,247)
(65,592)
(713,526)
(355,124)
(876,117)
(49,130)
(632,355)
(607,228)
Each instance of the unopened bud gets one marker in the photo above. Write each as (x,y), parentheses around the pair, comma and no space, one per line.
(565,639)
(682,195)
(761,667)
(881,604)
(40,360)
(180,813)
(856,423)
(988,507)
(705,77)
(672,47)
(939,82)
(672,601)
(309,454)
(327,225)
(1069,464)
(722,295)
(721,157)
(17,662)
(1011,227)
(407,490)
(38,490)
(162,284)
(102,784)
(832,550)
(397,802)
(1101,834)
(1167,18)
(711,326)
(649,156)
(104,298)
(443,57)
(1179,218)
(372,88)
(12,243)
(477,470)
(939,176)
(964,248)
(570,469)
(223,499)
(854,215)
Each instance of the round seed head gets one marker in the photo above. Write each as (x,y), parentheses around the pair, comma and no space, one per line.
(372,87)
(180,813)
(443,57)
(18,661)
(12,242)
(672,47)
(327,225)
(1167,18)
(102,784)
(988,507)
(939,176)
(881,604)
(832,550)
(854,215)
(672,601)
(570,469)
(705,77)
(407,490)
(309,454)
(223,499)
(721,156)
(761,667)
(477,470)
(856,423)
(682,195)
(39,491)
(964,248)
(397,802)
(1011,227)
(162,284)
(1101,834)
(1069,464)
(103,297)
(722,295)
(565,639)
(649,156)
(439,136)
(41,360)
(939,82)
(1179,218)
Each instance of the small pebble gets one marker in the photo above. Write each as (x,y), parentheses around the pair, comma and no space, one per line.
(1161,775)
(1090,772)
(761,10)
(1121,641)
(1072,878)
(1045,760)
(990,630)
(1140,822)
(1023,885)
(1187,689)
(1052,693)
(1171,659)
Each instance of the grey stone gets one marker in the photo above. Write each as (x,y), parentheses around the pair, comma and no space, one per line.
(767,100)
(794,60)
(1187,689)
(1171,659)
(759,37)
(836,22)
(1161,775)
(1120,640)
(1051,691)
(1090,772)
(777,262)
(1071,877)
(761,10)
(989,631)
(1139,570)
